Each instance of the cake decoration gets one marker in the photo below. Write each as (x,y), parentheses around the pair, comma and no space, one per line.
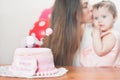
(32,63)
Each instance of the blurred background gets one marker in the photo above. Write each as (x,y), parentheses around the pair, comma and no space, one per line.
(17,17)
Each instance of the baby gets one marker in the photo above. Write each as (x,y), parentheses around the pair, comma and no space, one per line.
(105,48)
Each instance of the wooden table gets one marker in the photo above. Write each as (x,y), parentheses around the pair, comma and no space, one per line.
(79,73)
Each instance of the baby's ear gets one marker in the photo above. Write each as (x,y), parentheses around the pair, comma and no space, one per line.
(115,18)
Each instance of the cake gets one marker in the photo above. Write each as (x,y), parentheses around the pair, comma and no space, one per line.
(33,61)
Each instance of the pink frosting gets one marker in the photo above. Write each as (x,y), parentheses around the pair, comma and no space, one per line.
(33,61)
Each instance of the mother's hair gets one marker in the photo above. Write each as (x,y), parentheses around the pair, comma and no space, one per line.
(65,22)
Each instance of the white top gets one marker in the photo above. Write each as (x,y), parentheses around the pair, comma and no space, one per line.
(86,40)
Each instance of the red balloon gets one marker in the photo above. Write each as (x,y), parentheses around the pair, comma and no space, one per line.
(39,28)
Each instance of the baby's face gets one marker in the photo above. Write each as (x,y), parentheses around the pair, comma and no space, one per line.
(103,18)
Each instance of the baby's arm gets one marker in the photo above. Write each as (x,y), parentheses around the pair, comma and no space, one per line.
(103,44)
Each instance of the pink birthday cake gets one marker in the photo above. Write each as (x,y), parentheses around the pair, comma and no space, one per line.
(33,61)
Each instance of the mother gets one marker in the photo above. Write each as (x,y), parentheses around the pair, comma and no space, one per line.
(68,21)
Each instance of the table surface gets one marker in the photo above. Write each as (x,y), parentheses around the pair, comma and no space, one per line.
(80,73)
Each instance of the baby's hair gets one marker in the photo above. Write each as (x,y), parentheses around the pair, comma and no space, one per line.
(108,4)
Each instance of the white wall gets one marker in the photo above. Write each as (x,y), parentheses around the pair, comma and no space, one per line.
(16,19)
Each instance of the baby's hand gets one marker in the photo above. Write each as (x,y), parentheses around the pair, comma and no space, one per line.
(96,31)
(105,33)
